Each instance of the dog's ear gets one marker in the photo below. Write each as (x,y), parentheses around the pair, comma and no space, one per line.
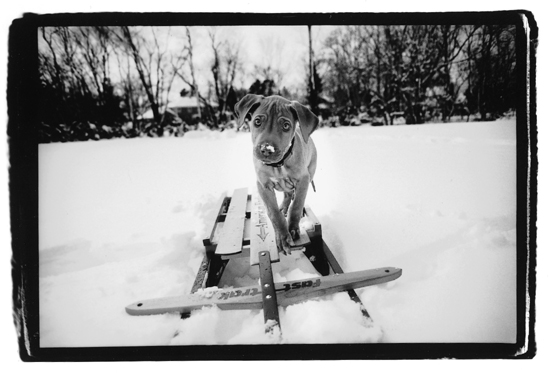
(308,120)
(244,107)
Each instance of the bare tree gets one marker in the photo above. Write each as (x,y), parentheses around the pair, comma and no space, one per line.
(226,65)
(192,81)
(270,67)
(156,66)
(314,81)
(194,87)
(95,53)
(492,58)
(347,57)
(78,95)
(421,70)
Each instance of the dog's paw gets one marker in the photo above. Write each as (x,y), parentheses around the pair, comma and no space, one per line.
(294,232)
(294,226)
(283,242)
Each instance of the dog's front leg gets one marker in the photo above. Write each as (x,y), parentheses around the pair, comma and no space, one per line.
(283,207)
(282,236)
(297,207)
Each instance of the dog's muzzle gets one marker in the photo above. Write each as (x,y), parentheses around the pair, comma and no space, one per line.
(269,154)
(267,150)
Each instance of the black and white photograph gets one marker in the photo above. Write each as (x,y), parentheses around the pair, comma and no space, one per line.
(289,181)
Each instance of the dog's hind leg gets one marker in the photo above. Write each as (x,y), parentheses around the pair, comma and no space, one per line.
(312,167)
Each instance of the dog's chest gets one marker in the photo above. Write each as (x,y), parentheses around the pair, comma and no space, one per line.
(279,179)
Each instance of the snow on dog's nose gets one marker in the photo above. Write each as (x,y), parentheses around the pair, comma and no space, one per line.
(267,149)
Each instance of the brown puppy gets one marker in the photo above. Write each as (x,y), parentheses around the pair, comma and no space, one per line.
(285,158)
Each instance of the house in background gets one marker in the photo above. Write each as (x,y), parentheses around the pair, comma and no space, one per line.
(183,108)
(187,108)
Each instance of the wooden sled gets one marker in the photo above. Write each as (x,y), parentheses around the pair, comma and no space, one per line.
(241,228)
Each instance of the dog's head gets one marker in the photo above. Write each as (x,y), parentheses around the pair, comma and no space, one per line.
(273,124)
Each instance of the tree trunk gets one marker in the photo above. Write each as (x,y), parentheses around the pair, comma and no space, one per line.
(146,85)
(192,68)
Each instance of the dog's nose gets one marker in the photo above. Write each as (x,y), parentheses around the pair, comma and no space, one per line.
(267,149)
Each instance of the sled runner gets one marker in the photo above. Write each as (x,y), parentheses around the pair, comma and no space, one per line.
(241,228)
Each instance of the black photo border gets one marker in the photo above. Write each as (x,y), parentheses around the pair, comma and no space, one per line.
(23,185)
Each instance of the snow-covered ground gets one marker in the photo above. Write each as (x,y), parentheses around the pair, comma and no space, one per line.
(123,220)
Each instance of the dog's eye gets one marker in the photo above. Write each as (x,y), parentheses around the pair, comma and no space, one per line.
(257,122)
(286,126)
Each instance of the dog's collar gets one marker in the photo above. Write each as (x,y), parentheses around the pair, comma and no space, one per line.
(285,157)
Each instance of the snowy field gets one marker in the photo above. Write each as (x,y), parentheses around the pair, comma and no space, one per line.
(123,220)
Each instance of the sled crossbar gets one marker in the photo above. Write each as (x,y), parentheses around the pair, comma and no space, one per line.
(269,296)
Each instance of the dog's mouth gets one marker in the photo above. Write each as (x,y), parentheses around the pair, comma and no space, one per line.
(274,157)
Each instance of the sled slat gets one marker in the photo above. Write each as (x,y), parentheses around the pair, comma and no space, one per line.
(262,234)
(231,237)
(213,219)
(245,253)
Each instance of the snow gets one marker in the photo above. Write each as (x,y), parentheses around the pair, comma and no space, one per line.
(123,220)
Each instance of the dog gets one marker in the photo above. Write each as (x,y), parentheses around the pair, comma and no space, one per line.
(285,158)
